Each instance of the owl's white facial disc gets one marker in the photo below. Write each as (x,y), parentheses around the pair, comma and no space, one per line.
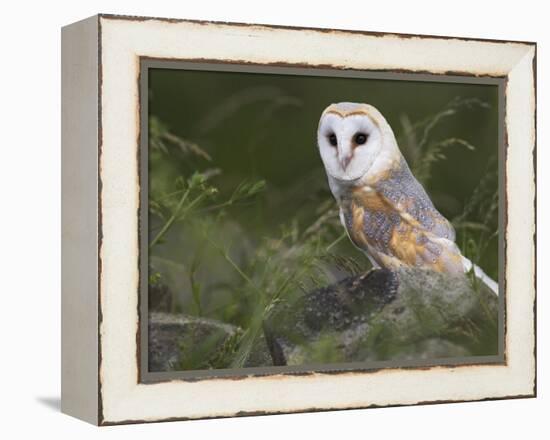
(349,141)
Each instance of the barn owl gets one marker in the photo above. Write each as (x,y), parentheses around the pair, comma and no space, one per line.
(384,209)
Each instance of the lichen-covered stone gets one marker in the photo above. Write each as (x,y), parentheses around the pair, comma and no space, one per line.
(181,342)
(411,314)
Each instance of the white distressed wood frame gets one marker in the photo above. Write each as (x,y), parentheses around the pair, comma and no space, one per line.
(100,135)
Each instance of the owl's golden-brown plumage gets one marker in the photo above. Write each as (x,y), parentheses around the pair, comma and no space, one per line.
(396,224)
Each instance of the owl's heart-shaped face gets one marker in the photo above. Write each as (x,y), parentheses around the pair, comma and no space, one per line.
(349,140)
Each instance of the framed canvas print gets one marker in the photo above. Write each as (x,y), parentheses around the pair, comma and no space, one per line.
(262,220)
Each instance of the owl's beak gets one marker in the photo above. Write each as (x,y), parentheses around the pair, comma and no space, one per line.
(345,160)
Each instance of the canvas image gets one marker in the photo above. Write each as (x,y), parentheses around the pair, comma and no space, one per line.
(305,220)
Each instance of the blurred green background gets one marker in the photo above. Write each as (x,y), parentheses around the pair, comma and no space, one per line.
(259,130)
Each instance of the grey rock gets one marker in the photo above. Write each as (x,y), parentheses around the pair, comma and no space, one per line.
(404,315)
(181,342)
(260,354)
(411,314)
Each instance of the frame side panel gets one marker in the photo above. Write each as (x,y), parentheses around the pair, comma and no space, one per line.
(79,218)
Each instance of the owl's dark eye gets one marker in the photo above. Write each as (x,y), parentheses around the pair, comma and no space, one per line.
(332,139)
(360,138)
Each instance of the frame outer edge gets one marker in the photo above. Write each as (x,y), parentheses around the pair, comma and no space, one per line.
(535,202)
(79,220)
(143,18)
(109,420)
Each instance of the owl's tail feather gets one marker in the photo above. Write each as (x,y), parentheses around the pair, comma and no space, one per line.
(485,279)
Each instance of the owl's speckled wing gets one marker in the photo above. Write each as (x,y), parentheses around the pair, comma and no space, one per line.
(395,222)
